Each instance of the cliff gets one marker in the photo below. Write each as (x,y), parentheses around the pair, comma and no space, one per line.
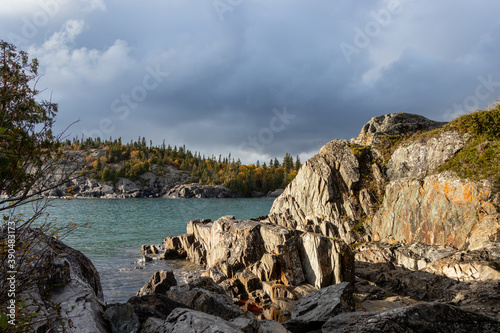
(393,191)
(392,224)
(417,200)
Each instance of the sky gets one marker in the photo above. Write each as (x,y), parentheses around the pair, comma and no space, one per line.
(255,78)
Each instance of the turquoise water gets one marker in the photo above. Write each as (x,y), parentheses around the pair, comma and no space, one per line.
(116,228)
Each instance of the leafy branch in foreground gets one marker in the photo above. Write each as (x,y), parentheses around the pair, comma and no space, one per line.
(30,165)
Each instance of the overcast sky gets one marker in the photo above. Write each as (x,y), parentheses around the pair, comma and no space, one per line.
(256,78)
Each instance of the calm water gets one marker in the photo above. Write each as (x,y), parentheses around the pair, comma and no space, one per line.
(116,228)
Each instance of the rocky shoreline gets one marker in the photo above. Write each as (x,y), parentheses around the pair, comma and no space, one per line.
(149,185)
(369,237)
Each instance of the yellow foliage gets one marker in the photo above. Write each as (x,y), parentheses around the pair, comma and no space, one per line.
(134,154)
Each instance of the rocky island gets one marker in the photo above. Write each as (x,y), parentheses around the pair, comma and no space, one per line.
(397,230)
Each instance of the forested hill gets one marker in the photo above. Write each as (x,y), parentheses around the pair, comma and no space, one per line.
(109,160)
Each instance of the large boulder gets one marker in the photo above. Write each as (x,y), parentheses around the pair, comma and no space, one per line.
(156,305)
(318,307)
(394,124)
(63,289)
(122,318)
(205,300)
(159,283)
(271,252)
(433,317)
(191,321)
(324,196)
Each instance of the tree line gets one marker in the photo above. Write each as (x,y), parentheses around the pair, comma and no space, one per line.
(114,159)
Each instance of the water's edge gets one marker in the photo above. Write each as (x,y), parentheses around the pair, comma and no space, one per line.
(111,232)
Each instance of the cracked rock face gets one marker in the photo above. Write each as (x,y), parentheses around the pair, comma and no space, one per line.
(66,290)
(441,209)
(269,251)
(419,159)
(394,124)
(433,317)
(324,196)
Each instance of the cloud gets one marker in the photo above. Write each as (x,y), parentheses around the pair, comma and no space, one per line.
(67,67)
(225,76)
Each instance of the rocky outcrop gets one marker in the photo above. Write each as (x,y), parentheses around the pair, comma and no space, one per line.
(441,209)
(324,197)
(419,235)
(59,286)
(393,124)
(191,321)
(258,261)
(420,238)
(149,185)
(316,308)
(343,189)
(433,317)
(419,159)
(200,191)
(160,283)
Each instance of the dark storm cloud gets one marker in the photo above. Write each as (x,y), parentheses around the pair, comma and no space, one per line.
(261,78)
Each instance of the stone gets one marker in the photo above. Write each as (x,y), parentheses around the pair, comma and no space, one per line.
(65,288)
(441,209)
(205,301)
(271,326)
(249,280)
(156,305)
(191,321)
(159,283)
(325,261)
(200,191)
(220,271)
(316,308)
(122,318)
(420,159)
(275,193)
(247,325)
(393,124)
(205,282)
(325,189)
(153,325)
(433,317)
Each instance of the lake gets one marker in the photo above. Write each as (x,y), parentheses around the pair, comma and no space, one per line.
(116,228)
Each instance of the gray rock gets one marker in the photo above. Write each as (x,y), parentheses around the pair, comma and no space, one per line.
(205,301)
(271,326)
(322,197)
(154,325)
(317,307)
(275,193)
(419,159)
(65,292)
(394,124)
(440,209)
(159,283)
(156,305)
(122,318)
(433,317)
(191,321)
(200,191)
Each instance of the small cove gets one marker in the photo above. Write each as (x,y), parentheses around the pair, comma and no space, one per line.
(116,228)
